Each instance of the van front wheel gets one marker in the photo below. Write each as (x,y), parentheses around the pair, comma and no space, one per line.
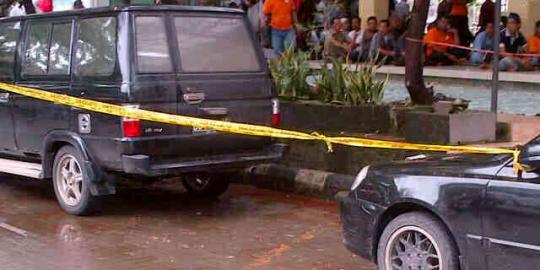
(209,186)
(70,183)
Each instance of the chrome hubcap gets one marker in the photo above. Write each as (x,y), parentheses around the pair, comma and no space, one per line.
(412,248)
(69,179)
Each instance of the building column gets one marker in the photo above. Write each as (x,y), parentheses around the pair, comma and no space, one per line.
(378,8)
(528,10)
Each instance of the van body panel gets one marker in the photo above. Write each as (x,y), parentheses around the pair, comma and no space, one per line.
(110,61)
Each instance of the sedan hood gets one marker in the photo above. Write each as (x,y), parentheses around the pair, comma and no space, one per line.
(444,165)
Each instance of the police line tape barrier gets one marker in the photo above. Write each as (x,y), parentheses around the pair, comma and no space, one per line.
(455,46)
(239,128)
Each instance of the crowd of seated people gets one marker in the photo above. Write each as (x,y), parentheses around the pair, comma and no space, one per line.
(447,41)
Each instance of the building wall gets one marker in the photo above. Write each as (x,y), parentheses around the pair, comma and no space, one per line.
(529,12)
(379,8)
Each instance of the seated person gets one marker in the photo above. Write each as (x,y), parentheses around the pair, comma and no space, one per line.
(533,47)
(526,63)
(439,54)
(483,41)
(361,46)
(384,43)
(512,41)
(398,29)
(337,43)
(356,29)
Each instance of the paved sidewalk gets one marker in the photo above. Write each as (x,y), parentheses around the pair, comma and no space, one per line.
(458,72)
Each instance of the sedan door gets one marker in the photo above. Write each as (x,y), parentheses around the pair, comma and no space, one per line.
(511,221)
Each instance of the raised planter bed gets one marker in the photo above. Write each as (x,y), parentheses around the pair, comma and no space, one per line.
(314,116)
(454,129)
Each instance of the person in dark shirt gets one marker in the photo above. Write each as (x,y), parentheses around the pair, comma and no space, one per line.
(512,41)
(487,15)
(444,8)
(383,44)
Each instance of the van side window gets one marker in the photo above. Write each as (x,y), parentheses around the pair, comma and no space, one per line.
(60,49)
(96,47)
(152,45)
(36,57)
(9,35)
(225,43)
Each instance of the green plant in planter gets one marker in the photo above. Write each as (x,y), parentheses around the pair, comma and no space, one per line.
(330,85)
(341,84)
(289,73)
(361,86)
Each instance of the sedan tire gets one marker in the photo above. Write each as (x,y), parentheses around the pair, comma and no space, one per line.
(418,241)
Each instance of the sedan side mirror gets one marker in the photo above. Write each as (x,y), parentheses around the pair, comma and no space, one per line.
(530,156)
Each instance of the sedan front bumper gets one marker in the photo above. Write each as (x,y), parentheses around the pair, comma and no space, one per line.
(359,219)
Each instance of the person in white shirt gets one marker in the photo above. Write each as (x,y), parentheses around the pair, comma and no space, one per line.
(17,9)
(356,30)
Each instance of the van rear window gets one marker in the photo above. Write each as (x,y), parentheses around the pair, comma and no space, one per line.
(210,44)
(152,46)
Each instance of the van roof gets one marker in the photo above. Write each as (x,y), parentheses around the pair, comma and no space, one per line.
(99,10)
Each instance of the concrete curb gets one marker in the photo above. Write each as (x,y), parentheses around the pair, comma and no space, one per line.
(299,181)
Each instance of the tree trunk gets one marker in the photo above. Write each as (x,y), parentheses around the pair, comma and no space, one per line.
(414,65)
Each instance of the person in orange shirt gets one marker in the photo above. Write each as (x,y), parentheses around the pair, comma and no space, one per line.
(282,16)
(437,54)
(533,47)
(459,18)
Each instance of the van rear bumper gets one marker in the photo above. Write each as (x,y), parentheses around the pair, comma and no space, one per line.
(143,165)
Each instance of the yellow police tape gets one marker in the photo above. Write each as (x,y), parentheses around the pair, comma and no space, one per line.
(239,128)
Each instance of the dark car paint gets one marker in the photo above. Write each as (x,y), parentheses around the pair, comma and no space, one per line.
(492,214)
(39,127)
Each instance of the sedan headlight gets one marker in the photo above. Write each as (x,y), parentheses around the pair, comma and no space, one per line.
(360,177)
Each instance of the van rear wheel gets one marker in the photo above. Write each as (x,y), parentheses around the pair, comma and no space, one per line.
(71,184)
(204,185)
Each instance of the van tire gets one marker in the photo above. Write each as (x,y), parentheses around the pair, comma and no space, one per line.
(207,186)
(71,183)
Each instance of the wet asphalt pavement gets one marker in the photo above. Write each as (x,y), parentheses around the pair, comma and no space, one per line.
(160,227)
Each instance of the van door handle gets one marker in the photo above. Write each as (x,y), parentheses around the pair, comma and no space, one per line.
(194,98)
(217,111)
(4,97)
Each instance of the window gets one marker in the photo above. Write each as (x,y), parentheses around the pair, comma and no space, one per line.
(59,51)
(9,35)
(215,45)
(96,47)
(36,57)
(152,45)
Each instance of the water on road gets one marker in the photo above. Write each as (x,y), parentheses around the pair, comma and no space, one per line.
(163,228)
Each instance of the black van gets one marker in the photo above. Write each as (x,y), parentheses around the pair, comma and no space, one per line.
(195,61)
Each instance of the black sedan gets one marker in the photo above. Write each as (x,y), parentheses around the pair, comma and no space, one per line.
(468,212)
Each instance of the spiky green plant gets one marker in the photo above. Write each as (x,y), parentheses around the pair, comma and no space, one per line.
(362,87)
(331,84)
(289,73)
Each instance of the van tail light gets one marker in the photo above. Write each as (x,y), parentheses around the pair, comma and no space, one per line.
(131,128)
(276,115)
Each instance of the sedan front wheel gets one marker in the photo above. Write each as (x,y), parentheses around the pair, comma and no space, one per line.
(416,241)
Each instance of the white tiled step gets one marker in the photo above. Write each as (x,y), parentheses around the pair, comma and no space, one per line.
(22,168)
